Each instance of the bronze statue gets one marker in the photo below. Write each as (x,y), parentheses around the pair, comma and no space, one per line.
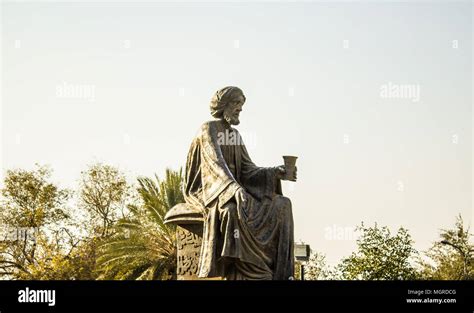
(248,223)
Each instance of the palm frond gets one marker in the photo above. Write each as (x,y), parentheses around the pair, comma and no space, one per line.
(144,246)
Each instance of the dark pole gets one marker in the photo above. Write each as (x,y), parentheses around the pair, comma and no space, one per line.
(302,271)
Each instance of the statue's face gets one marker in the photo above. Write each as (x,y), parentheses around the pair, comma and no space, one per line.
(232,111)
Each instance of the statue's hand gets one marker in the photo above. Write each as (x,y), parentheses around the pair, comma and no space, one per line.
(281,173)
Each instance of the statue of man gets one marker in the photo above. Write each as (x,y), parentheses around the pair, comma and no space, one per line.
(248,223)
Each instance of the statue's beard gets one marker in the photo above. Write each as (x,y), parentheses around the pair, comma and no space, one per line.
(232,120)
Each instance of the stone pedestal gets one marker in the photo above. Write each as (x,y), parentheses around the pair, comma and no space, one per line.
(189,227)
(188,239)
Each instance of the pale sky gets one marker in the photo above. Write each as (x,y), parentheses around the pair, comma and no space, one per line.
(142,75)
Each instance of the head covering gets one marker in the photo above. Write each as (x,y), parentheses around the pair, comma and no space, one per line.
(222,97)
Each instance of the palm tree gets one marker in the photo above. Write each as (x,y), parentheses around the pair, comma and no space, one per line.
(143,246)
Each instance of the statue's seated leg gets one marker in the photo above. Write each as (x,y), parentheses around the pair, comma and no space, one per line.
(283,204)
(239,245)
(230,237)
(284,268)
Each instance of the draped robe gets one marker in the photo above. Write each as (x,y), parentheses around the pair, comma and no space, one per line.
(254,241)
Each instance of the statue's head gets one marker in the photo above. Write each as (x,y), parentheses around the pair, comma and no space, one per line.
(227,103)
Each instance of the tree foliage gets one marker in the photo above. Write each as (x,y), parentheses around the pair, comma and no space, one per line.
(30,200)
(33,211)
(451,257)
(380,256)
(144,246)
(103,194)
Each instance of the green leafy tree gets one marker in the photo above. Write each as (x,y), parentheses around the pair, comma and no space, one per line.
(30,200)
(143,246)
(380,256)
(103,194)
(54,263)
(451,257)
(33,212)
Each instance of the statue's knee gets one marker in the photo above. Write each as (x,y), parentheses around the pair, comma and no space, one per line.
(286,202)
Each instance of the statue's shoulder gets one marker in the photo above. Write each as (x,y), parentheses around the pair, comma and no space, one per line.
(209,125)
